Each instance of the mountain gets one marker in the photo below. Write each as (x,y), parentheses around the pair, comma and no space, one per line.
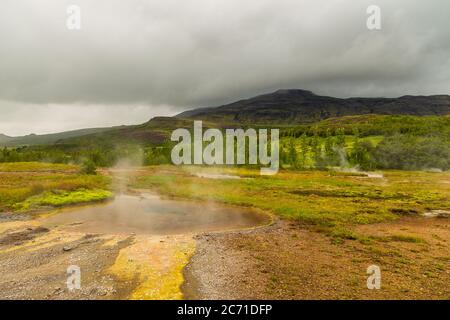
(281,108)
(4,138)
(296,106)
(155,131)
(34,139)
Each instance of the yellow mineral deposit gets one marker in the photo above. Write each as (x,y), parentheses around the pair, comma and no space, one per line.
(155,263)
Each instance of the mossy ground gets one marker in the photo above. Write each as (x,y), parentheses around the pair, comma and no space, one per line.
(29,185)
(57,198)
(331,202)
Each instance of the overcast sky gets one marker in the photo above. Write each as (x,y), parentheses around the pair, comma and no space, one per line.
(135,59)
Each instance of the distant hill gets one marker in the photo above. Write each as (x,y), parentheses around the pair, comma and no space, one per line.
(154,131)
(4,138)
(300,106)
(288,108)
(34,139)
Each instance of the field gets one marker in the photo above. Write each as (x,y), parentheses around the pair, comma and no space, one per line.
(31,185)
(330,201)
(333,226)
(364,141)
(328,228)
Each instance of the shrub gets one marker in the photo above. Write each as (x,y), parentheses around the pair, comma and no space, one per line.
(413,153)
(88,167)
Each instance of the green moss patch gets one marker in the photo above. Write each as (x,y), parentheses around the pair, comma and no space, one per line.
(61,198)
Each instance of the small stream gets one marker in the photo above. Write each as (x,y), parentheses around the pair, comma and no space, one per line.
(149,214)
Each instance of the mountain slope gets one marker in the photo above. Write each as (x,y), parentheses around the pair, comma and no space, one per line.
(300,106)
(153,132)
(283,108)
(34,139)
(4,139)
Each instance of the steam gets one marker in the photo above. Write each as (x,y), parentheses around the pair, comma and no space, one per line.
(356,170)
(216,176)
(343,161)
(344,165)
(125,169)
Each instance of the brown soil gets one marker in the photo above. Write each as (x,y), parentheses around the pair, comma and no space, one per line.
(287,260)
(290,261)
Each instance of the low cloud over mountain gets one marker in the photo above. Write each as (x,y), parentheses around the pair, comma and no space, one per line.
(169,56)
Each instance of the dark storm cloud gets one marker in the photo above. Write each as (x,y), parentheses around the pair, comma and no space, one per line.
(151,54)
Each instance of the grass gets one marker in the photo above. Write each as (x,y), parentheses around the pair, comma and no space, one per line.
(406,238)
(29,184)
(36,167)
(332,203)
(59,198)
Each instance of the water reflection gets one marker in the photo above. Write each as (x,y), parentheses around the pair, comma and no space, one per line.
(149,214)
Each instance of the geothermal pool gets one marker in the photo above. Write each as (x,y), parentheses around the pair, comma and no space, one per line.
(149,214)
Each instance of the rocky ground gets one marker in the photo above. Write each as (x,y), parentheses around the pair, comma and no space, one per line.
(287,260)
(34,262)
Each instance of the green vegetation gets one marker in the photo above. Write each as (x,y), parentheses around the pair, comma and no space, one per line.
(88,167)
(327,198)
(366,142)
(403,238)
(404,152)
(375,125)
(37,167)
(330,202)
(30,184)
(369,142)
(411,152)
(57,198)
